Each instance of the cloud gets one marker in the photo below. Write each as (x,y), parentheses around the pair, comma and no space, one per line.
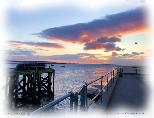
(106,39)
(100,31)
(28,55)
(38,44)
(113,24)
(128,58)
(132,54)
(20,52)
(137,53)
(114,54)
(66,57)
(127,55)
(84,58)
(107,44)
(78,58)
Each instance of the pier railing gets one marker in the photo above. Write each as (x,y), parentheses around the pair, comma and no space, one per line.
(79,99)
(57,101)
(105,82)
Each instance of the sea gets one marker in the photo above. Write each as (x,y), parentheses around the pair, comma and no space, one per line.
(70,77)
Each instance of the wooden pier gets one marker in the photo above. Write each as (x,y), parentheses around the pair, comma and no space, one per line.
(130,91)
(30,84)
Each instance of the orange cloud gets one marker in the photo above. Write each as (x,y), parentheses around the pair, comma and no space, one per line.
(115,25)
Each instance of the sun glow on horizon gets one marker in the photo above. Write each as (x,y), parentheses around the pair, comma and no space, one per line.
(116,36)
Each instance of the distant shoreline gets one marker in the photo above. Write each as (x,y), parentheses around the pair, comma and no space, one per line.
(47,62)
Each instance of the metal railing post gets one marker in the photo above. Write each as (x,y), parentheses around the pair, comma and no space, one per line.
(120,72)
(76,102)
(101,91)
(71,101)
(113,77)
(107,82)
(116,74)
(83,98)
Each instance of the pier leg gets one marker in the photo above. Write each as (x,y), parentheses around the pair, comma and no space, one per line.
(53,84)
(83,98)
(76,102)
(120,72)
(15,90)
(11,90)
(71,101)
(24,89)
(49,85)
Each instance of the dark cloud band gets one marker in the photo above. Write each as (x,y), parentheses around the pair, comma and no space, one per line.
(39,44)
(99,32)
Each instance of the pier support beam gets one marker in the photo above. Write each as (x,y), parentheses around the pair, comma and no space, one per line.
(31,87)
(83,97)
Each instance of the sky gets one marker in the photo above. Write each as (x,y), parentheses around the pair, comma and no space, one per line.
(99,34)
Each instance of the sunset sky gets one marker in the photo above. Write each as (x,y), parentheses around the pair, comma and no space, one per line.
(73,34)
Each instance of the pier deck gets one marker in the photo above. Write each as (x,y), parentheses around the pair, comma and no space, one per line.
(124,87)
(130,90)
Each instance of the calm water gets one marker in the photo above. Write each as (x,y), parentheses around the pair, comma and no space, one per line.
(72,76)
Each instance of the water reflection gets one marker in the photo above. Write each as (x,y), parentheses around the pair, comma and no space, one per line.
(73,75)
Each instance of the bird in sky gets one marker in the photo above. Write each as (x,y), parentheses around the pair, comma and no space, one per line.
(135,43)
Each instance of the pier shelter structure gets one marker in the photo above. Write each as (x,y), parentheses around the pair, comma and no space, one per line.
(30,84)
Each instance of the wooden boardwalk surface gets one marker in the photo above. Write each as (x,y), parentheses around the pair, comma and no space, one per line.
(130,90)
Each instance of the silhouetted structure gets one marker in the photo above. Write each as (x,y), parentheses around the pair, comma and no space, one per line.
(31,83)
